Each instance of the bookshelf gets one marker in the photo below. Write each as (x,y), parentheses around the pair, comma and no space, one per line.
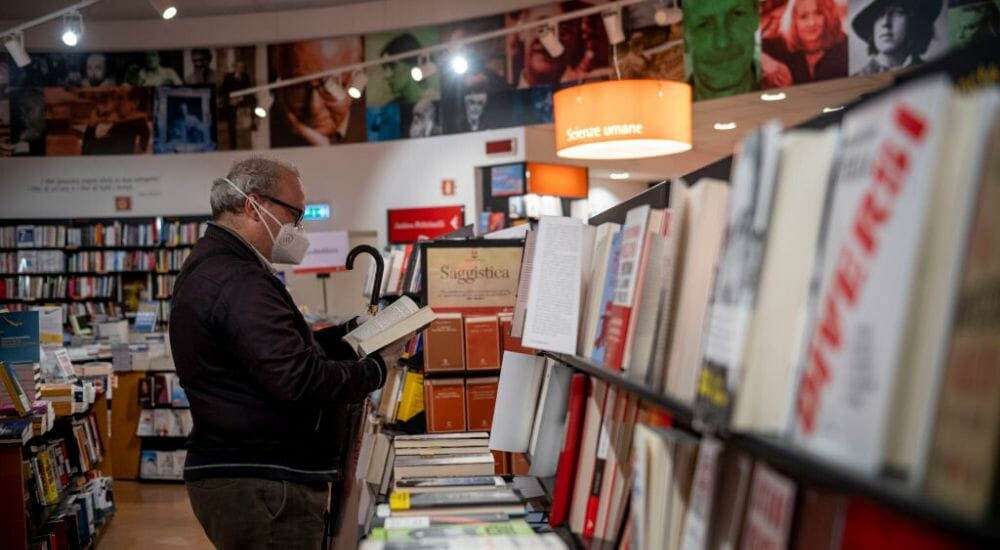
(94,265)
(800,465)
(18,522)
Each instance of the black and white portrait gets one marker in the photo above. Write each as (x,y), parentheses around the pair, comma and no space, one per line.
(892,34)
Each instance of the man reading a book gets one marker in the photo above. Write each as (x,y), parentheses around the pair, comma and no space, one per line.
(268,396)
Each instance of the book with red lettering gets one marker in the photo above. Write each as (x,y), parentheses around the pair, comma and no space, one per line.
(629,267)
(596,405)
(482,343)
(444,344)
(568,458)
(480,399)
(613,410)
(877,209)
(444,403)
(769,511)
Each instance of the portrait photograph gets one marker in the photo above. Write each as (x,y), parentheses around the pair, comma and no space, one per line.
(487,66)
(892,34)
(802,41)
(26,133)
(421,119)
(98,121)
(721,50)
(152,68)
(311,113)
(200,67)
(392,82)
(48,69)
(650,50)
(383,122)
(970,21)
(235,120)
(184,121)
(586,54)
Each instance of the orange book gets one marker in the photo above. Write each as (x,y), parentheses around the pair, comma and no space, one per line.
(519,465)
(444,402)
(444,344)
(480,399)
(501,463)
(482,343)
(508,342)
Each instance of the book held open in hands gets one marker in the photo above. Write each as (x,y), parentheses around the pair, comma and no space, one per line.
(397,321)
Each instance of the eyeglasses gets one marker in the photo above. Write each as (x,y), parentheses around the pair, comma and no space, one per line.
(299,213)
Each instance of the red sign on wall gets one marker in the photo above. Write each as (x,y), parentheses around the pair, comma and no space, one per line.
(408,224)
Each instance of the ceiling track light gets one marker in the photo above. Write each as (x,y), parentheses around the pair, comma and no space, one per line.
(775,96)
(667,13)
(550,39)
(723,126)
(14,43)
(72,28)
(359,79)
(264,101)
(333,87)
(459,63)
(613,26)
(165,8)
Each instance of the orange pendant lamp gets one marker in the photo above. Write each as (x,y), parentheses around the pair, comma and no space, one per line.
(623,119)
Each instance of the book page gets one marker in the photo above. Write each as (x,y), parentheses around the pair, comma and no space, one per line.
(395,313)
(552,321)
(517,397)
(523,284)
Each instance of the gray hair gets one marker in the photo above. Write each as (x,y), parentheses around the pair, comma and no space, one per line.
(253,175)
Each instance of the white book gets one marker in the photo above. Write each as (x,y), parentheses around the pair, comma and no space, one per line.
(552,319)
(673,266)
(550,427)
(878,206)
(763,399)
(705,228)
(738,274)
(955,192)
(523,284)
(646,312)
(517,397)
(398,320)
(592,302)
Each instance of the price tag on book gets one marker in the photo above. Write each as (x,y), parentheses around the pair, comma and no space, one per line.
(399,500)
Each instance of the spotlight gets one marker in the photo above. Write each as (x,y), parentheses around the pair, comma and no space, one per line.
(613,26)
(459,64)
(358,81)
(833,109)
(778,96)
(165,8)
(264,101)
(667,15)
(333,87)
(72,28)
(416,74)
(724,126)
(619,175)
(550,39)
(15,47)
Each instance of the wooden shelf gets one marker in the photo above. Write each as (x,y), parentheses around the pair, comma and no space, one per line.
(805,467)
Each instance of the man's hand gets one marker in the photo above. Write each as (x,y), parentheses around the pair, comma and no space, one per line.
(391,353)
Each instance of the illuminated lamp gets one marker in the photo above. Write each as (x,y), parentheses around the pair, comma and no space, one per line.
(623,119)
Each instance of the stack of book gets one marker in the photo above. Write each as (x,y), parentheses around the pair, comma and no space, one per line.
(162,465)
(80,515)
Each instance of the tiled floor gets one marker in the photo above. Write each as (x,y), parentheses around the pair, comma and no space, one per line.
(152,516)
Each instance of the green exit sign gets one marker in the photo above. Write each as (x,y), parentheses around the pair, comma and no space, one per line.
(316,212)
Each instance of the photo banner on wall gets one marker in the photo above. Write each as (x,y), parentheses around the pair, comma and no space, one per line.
(407,225)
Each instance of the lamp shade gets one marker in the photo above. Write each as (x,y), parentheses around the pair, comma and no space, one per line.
(623,119)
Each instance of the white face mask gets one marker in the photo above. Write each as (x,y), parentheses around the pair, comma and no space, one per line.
(291,242)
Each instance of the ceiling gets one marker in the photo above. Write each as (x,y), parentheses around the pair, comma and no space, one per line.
(748,111)
(116,10)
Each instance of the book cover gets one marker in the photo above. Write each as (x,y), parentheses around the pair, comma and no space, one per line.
(737,276)
(877,207)
(569,456)
(396,321)
(20,337)
(962,468)
(482,343)
(597,273)
(599,345)
(444,344)
(15,392)
(633,243)
(411,401)
(428,484)
(595,407)
(480,399)
(769,513)
(509,342)
(444,400)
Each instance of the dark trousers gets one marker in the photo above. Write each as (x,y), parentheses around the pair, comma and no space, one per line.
(239,513)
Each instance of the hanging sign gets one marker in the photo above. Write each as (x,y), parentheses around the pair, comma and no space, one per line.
(406,225)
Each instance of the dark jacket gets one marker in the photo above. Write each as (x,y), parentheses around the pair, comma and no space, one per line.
(267,398)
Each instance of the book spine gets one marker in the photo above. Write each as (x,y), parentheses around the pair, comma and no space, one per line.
(571,448)
(603,443)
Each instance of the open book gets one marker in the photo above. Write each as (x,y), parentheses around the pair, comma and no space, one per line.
(395,322)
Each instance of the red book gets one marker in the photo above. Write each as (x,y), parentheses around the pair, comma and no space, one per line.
(603,442)
(566,472)
(870,527)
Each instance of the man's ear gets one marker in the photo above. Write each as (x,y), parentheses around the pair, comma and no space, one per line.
(249,210)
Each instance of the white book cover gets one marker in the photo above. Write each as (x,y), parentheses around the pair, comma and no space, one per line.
(673,265)
(699,512)
(971,118)
(552,320)
(763,398)
(737,277)
(879,204)
(592,302)
(647,310)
